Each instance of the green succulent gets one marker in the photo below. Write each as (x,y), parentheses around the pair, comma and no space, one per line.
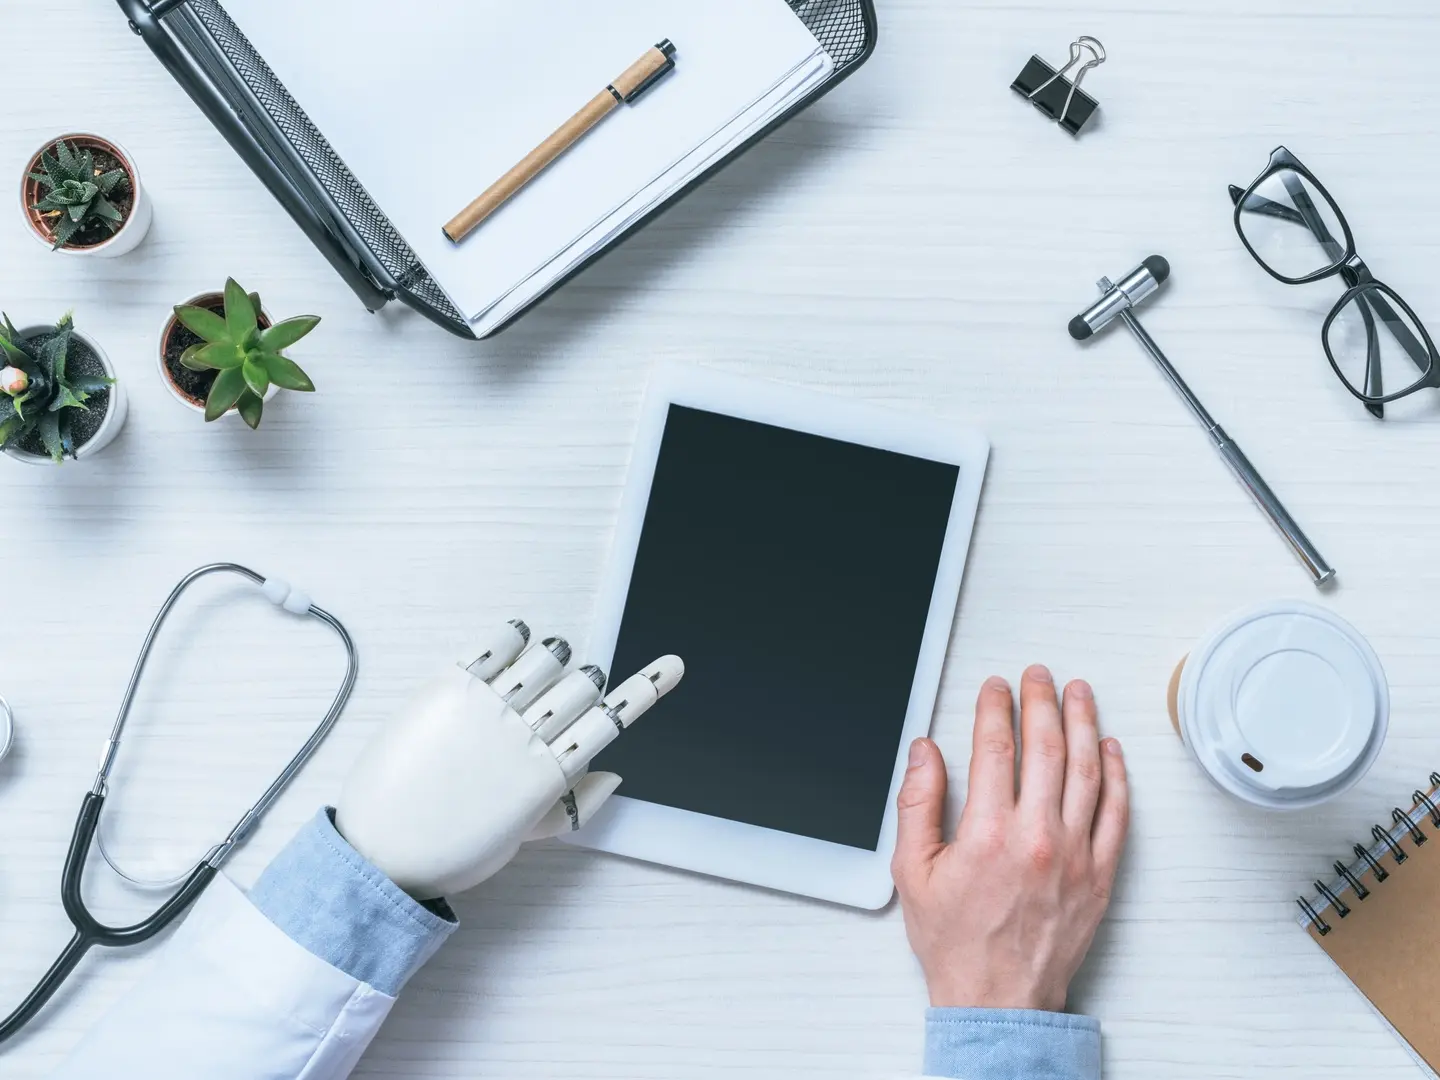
(77,194)
(246,358)
(37,393)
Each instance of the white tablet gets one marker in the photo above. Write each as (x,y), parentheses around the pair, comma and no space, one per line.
(803,554)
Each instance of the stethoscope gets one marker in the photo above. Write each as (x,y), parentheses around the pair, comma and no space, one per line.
(89,931)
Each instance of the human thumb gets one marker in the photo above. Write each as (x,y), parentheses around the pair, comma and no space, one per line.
(921,806)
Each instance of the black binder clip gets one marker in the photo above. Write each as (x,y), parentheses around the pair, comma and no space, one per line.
(1056,96)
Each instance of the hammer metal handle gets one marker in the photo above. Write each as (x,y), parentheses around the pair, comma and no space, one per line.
(1239,464)
(1274,509)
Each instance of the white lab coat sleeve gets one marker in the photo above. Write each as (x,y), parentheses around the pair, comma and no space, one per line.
(233,998)
(277,985)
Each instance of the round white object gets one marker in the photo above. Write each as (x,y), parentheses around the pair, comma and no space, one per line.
(1284,706)
(7,728)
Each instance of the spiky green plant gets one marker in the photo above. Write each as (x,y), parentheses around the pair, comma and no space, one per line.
(37,393)
(247,359)
(78,196)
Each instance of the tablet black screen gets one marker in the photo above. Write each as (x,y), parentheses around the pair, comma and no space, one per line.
(793,573)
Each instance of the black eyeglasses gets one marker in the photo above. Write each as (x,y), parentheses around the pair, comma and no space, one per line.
(1377,345)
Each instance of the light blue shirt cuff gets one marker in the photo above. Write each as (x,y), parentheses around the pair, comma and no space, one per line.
(326,897)
(1011,1044)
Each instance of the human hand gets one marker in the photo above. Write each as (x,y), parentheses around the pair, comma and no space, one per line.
(1002,916)
(491,753)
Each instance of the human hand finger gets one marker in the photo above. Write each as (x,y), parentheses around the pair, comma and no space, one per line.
(1082,758)
(1112,814)
(1042,743)
(992,757)
(921,812)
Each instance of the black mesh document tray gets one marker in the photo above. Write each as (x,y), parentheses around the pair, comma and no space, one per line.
(208,55)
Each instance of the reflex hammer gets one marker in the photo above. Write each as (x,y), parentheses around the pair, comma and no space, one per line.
(1117,301)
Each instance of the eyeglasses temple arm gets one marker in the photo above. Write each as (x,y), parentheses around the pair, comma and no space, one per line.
(1311,216)
(1258,204)
(1412,345)
(1374,380)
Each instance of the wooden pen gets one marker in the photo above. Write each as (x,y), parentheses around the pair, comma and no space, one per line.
(629,85)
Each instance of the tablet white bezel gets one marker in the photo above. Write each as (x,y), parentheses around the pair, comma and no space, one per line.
(731,849)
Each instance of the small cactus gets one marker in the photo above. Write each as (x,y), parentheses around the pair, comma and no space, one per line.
(247,358)
(37,393)
(77,198)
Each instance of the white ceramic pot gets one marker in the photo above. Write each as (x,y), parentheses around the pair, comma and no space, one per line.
(114,416)
(1283,706)
(195,301)
(130,233)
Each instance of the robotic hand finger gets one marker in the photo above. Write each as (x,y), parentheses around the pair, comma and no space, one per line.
(490,754)
(577,745)
(576,729)
(500,650)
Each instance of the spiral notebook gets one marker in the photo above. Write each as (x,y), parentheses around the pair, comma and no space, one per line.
(1377,917)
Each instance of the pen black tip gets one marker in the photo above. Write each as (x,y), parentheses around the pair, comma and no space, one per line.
(667,47)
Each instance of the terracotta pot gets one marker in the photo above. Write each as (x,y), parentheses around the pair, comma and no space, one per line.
(216,302)
(132,230)
(114,415)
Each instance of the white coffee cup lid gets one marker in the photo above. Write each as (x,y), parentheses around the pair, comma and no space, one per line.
(1285,705)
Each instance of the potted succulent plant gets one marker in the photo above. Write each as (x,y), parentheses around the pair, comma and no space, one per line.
(220,352)
(58,394)
(81,195)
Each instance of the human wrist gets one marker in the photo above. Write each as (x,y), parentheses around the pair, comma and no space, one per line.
(950,992)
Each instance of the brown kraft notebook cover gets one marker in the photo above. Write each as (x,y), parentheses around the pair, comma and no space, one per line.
(1378,921)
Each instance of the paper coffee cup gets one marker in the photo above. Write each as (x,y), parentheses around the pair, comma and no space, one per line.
(1283,706)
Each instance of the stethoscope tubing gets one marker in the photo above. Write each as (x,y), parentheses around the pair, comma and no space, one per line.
(89,931)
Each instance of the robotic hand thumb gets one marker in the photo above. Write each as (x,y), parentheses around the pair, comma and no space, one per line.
(576,806)
(447,792)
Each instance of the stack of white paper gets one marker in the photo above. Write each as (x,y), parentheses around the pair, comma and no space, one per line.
(429,103)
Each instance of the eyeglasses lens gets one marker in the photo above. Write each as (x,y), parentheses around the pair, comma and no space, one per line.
(1377,348)
(1291,226)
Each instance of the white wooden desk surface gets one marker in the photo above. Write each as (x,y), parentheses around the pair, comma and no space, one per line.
(919,239)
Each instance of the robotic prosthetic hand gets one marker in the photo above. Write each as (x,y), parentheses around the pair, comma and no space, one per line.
(489,755)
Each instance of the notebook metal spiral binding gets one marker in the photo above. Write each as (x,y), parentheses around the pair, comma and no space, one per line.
(1382,836)
(1405,826)
(1429,804)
